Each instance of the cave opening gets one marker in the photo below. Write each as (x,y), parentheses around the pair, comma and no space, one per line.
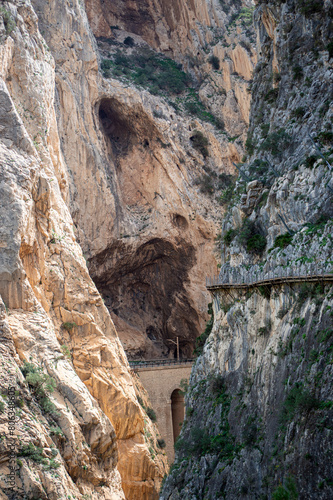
(144,287)
(116,127)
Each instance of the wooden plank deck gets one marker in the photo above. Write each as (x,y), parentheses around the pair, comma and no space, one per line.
(216,284)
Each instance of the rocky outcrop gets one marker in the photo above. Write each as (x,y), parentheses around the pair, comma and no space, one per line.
(263,382)
(75,401)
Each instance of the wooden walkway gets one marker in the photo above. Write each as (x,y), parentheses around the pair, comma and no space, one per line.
(136,365)
(217,283)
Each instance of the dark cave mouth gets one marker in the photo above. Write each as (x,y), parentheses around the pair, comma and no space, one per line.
(145,288)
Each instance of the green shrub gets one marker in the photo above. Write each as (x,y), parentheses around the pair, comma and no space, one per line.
(276,142)
(298,400)
(250,432)
(289,492)
(2,406)
(161,443)
(259,167)
(200,143)
(308,7)
(326,137)
(216,384)
(35,453)
(206,184)
(8,20)
(66,352)
(283,240)
(249,146)
(229,236)
(41,385)
(251,238)
(140,401)
(226,195)
(298,112)
(68,326)
(56,431)
(272,95)
(297,72)
(310,161)
(215,62)
(151,414)
(129,41)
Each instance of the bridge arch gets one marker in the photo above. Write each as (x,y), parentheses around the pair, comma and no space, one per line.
(177,412)
(163,384)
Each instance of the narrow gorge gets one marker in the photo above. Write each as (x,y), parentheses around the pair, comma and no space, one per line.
(144,147)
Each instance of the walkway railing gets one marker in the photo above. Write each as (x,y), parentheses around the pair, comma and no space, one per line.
(233,278)
(159,362)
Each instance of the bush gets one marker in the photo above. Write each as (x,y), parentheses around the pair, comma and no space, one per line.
(217,385)
(289,492)
(229,236)
(129,41)
(200,143)
(272,95)
(326,137)
(35,453)
(2,406)
(310,161)
(161,443)
(298,112)
(41,385)
(151,414)
(308,7)
(8,20)
(68,326)
(206,184)
(283,240)
(276,142)
(215,62)
(251,238)
(298,400)
(297,72)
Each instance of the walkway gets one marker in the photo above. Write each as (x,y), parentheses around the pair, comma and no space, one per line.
(265,279)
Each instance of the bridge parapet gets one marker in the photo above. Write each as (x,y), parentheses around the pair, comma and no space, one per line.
(136,365)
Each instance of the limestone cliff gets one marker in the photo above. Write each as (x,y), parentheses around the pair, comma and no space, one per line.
(153,244)
(259,407)
(78,421)
(97,169)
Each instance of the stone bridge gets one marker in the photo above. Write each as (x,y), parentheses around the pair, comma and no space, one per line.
(162,380)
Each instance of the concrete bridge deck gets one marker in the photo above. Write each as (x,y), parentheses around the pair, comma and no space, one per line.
(162,380)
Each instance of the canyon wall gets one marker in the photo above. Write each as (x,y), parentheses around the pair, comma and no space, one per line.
(99,173)
(150,251)
(259,406)
(78,419)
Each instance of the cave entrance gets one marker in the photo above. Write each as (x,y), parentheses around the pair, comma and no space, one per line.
(116,127)
(178,412)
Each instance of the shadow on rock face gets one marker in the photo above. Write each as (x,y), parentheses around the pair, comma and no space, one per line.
(145,287)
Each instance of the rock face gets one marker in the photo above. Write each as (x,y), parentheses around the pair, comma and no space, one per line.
(76,405)
(153,242)
(98,170)
(259,406)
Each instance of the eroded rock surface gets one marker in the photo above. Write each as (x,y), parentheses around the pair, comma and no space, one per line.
(263,384)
